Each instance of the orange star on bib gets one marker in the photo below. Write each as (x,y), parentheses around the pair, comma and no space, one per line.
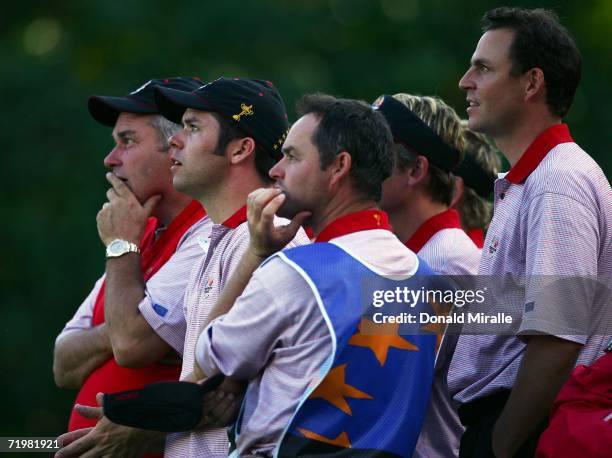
(341,441)
(334,389)
(383,337)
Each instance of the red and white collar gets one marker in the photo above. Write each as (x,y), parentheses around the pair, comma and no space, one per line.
(537,151)
(448,219)
(354,222)
(236,219)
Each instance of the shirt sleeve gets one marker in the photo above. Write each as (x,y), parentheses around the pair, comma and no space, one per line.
(561,265)
(277,312)
(162,305)
(82,319)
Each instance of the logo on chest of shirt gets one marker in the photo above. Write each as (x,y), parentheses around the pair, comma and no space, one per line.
(208,286)
(493,246)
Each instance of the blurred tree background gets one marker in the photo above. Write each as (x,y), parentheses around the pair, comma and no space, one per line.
(56,54)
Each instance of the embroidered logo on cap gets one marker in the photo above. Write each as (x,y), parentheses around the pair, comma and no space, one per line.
(378,102)
(247,110)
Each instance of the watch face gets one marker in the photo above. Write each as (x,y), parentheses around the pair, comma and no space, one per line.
(119,247)
(116,247)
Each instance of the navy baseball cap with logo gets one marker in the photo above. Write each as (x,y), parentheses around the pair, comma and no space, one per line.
(106,109)
(410,130)
(254,106)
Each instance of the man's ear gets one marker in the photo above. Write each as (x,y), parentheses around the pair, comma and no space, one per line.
(535,83)
(418,170)
(240,149)
(340,167)
(458,191)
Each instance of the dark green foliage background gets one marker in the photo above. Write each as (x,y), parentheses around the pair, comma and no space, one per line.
(53,179)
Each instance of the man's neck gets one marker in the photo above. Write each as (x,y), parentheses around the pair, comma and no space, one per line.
(230,196)
(408,218)
(514,143)
(341,204)
(170,207)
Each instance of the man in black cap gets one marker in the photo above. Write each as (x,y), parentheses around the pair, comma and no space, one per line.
(428,143)
(129,331)
(418,195)
(233,129)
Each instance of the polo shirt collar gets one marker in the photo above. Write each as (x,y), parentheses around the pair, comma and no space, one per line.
(535,153)
(477,236)
(236,219)
(448,219)
(354,222)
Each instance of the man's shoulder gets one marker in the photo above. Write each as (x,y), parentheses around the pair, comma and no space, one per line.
(277,271)
(199,232)
(451,252)
(567,170)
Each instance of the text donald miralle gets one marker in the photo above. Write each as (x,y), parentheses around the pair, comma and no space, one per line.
(448,298)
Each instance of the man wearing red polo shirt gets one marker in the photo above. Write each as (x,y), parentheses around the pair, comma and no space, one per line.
(129,331)
(552,220)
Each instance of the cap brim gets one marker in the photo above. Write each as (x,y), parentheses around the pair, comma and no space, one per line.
(106,110)
(172,103)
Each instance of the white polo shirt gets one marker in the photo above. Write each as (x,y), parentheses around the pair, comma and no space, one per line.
(227,244)
(448,250)
(552,217)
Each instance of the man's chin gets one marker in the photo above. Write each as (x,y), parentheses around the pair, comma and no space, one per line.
(289,209)
(179,185)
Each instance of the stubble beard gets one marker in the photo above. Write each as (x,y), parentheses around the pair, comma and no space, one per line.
(290,207)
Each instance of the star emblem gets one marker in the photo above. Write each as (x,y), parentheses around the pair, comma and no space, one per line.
(341,441)
(334,390)
(380,338)
(437,328)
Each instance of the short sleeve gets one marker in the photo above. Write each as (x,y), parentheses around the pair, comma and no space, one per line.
(561,267)
(82,319)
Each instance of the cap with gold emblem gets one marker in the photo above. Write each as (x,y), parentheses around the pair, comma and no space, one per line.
(254,106)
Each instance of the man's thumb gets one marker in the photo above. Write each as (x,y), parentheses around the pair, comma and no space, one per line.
(298,220)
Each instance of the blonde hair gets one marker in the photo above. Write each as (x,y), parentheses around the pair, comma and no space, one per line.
(476,211)
(445,122)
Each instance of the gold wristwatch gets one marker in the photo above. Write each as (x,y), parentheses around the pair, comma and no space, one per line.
(119,247)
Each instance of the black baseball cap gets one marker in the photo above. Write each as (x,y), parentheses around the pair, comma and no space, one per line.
(410,130)
(106,109)
(162,406)
(254,106)
(476,177)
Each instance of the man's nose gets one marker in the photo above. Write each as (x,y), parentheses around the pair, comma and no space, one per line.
(113,158)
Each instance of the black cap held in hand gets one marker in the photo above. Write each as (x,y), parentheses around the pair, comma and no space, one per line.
(254,106)
(161,406)
(106,109)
